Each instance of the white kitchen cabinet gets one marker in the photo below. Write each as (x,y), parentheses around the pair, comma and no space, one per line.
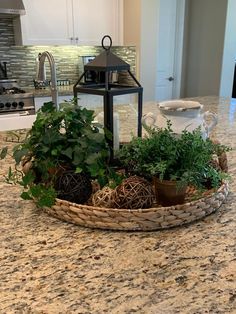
(69,22)
(45,23)
(95,18)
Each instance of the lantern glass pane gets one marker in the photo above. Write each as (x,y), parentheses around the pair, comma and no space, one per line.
(127,114)
(89,101)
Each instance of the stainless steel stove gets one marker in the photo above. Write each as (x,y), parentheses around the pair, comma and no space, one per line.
(17,108)
(14,100)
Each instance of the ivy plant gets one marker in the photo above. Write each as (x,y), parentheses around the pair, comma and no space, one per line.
(59,140)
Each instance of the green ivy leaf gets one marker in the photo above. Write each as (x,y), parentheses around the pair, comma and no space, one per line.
(26,196)
(48,107)
(108,134)
(78,170)
(19,154)
(27,179)
(3,152)
(54,152)
(68,152)
(98,137)
(45,149)
(93,169)
(92,158)
(47,197)
(36,191)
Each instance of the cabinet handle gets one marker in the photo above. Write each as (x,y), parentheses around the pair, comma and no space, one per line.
(71,38)
(76,39)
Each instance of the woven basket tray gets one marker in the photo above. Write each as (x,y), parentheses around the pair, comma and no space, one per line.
(138,219)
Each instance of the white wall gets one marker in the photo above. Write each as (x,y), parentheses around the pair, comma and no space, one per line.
(141,30)
(229,54)
(132,28)
(132,22)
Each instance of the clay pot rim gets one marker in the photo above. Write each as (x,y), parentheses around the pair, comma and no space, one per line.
(166,182)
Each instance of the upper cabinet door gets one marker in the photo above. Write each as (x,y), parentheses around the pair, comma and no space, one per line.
(69,22)
(47,22)
(95,18)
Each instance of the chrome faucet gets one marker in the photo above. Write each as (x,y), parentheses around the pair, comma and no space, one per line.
(42,78)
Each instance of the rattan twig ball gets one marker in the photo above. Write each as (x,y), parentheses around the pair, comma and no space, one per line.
(223,163)
(73,187)
(222,159)
(103,198)
(134,192)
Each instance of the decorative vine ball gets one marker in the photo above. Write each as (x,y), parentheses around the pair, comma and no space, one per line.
(95,186)
(73,187)
(223,162)
(134,192)
(27,166)
(104,198)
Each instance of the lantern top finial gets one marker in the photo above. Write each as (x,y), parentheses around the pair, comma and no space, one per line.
(107,61)
(109,47)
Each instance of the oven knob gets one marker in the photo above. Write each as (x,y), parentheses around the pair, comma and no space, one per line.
(1,105)
(8,104)
(14,104)
(21,104)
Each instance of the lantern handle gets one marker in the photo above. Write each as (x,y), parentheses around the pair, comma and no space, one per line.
(106,48)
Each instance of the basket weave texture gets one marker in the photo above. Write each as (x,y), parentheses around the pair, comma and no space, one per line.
(154,218)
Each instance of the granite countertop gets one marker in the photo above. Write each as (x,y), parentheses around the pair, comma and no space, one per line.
(49,266)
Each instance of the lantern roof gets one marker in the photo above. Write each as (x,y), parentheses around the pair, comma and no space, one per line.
(107,61)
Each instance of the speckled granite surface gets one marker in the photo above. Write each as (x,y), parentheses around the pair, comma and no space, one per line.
(48,266)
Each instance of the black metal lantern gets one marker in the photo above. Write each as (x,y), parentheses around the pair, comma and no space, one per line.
(105,64)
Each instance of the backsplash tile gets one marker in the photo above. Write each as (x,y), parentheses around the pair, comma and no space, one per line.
(6,34)
(21,60)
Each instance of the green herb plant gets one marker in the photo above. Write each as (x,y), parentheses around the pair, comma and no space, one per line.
(58,141)
(185,158)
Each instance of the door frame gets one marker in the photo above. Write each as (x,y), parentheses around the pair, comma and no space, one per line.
(179,48)
(229,53)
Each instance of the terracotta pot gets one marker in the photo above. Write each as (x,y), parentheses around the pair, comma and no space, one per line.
(168,192)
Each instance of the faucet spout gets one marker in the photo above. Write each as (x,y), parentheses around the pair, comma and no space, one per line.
(41,75)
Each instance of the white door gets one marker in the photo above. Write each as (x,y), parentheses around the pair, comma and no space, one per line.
(169,52)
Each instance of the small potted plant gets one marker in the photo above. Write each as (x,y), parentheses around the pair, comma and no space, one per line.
(59,141)
(174,162)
